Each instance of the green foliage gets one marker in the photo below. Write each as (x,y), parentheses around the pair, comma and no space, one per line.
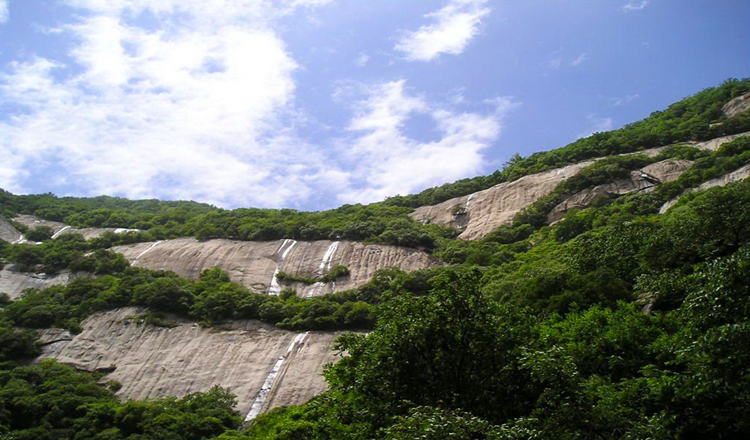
(336,272)
(17,344)
(39,233)
(50,401)
(212,299)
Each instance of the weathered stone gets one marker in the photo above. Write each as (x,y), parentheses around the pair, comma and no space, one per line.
(14,282)
(737,175)
(253,264)
(8,232)
(483,211)
(641,180)
(714,144)
(154,362)
(737,105)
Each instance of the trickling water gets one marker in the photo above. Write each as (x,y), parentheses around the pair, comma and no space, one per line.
(284,249)
(265,390)
(57,234)
(325,265)
(153,245)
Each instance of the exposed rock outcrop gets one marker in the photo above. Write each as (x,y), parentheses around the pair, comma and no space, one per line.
(158,362)
(255,264)
(737,175)
(8,232)
(59,228)
(737,105)
(641,180)
(480,213)
(14,282)
(714,144)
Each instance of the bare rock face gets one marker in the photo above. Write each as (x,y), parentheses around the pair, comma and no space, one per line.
(737,175)
(61,228)
(255,264)
(737,105)
(667,170)
(14,282)
(8,232)
(480,213)
(31,222)
(641,180)
(264,366)
(714,144)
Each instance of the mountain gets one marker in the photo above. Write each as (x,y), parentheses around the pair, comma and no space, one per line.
(598,290)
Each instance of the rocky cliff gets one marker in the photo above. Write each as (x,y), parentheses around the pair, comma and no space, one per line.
(737,105)
(737,175)
(480,213)
(14,282)
(8,232)
(61,228)
(264,366)
(641,180)
(255,264)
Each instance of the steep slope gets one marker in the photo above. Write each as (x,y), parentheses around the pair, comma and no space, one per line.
(738,175)
(481,212)
(255,264)
(737,105)
(643,180)
(244,356)
(14,283)
(61,228)
(8,232)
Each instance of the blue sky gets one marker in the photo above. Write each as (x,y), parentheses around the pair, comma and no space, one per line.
(314,103)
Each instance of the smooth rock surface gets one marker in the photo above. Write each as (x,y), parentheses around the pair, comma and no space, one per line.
(714,144)
(14,283)
(155,362)
(253,264)
(640,180)
(61,228)
(737,105)
(480,213)
(8,232)
(737,175)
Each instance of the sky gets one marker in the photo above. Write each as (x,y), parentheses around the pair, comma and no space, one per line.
(311,104)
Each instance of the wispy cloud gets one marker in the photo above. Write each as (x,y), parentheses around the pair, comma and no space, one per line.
(386,161)
(453,27)
(596,124)
(4,13)
(202,110)
(581,58)
(622,100)
(635,6)
(362,60)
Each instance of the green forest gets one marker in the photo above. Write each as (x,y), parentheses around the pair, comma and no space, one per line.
(616,322)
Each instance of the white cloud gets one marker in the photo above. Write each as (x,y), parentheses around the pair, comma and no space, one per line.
(4,13)
(635,6)
(581,58)
(362,60)
(622,100)
(198,110)
(385,161)
(453,28)
(596,125)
